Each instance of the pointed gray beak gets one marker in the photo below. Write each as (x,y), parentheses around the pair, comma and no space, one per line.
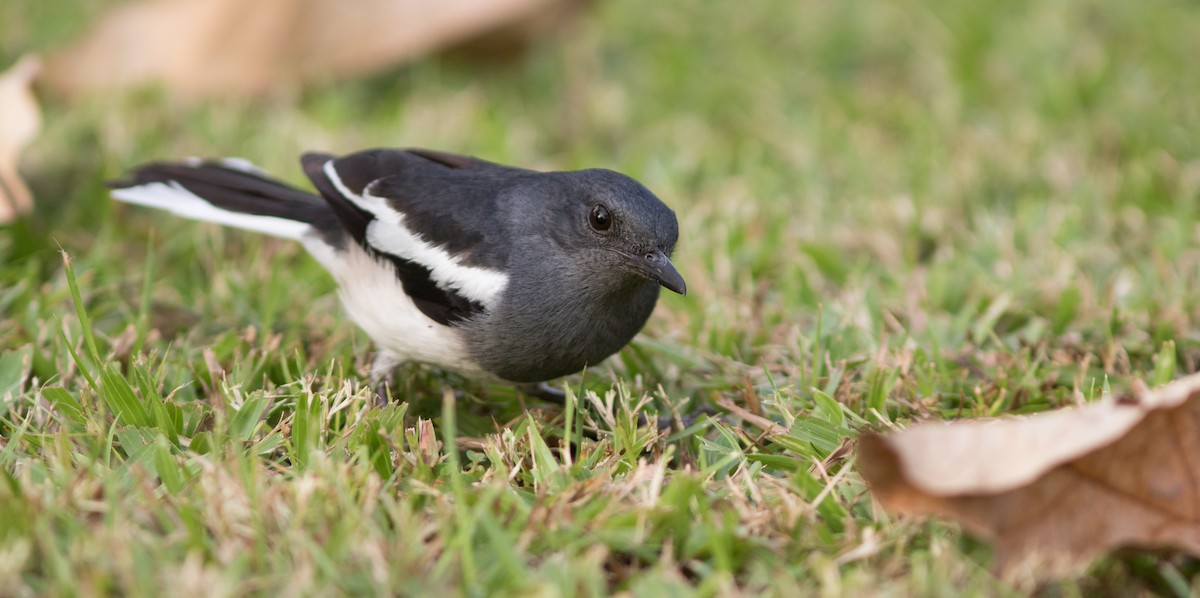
(658,267)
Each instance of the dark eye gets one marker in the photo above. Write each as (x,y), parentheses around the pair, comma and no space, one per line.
(600,219)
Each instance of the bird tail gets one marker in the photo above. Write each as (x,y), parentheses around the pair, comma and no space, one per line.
(231,192)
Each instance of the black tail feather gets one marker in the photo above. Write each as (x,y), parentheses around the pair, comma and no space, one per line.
(237,189)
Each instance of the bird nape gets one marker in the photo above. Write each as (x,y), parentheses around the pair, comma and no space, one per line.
(490,271)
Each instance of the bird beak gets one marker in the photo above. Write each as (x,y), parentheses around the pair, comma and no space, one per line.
(658,267)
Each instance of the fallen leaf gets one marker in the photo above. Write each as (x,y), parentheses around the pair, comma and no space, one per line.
(20,121)
(199,48)
(1055,490)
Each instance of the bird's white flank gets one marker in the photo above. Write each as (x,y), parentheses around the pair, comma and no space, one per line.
(388,234)
(174,198)
(375,299)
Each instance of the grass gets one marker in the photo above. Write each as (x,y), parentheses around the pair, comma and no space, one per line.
(890,211)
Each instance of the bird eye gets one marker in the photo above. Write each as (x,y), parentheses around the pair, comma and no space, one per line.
(600,219)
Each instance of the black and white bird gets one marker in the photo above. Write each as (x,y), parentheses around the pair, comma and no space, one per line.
(487,270)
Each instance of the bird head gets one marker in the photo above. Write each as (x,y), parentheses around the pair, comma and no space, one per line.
(609,222)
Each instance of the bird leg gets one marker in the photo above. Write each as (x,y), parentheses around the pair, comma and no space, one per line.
(381,371)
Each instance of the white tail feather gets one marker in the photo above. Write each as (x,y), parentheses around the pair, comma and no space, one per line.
(174,198)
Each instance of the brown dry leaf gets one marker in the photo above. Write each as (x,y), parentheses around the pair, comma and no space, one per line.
(20,121)
(1055,490)
(198,48)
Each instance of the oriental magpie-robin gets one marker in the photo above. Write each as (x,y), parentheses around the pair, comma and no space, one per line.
(479,268)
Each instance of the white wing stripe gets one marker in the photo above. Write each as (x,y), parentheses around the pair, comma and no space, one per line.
(387,233)
(357,199)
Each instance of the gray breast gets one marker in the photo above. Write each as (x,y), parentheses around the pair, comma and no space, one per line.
(535,334)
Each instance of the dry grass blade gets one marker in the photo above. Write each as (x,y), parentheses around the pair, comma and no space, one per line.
(766,425)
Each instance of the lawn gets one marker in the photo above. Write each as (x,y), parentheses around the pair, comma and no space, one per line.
(890,212)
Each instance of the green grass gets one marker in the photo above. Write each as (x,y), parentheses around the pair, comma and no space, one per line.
(890,211)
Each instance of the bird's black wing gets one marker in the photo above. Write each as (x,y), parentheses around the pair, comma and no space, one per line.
(431,214)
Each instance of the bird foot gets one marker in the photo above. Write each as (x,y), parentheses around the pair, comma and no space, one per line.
(545,392)
(666,423)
